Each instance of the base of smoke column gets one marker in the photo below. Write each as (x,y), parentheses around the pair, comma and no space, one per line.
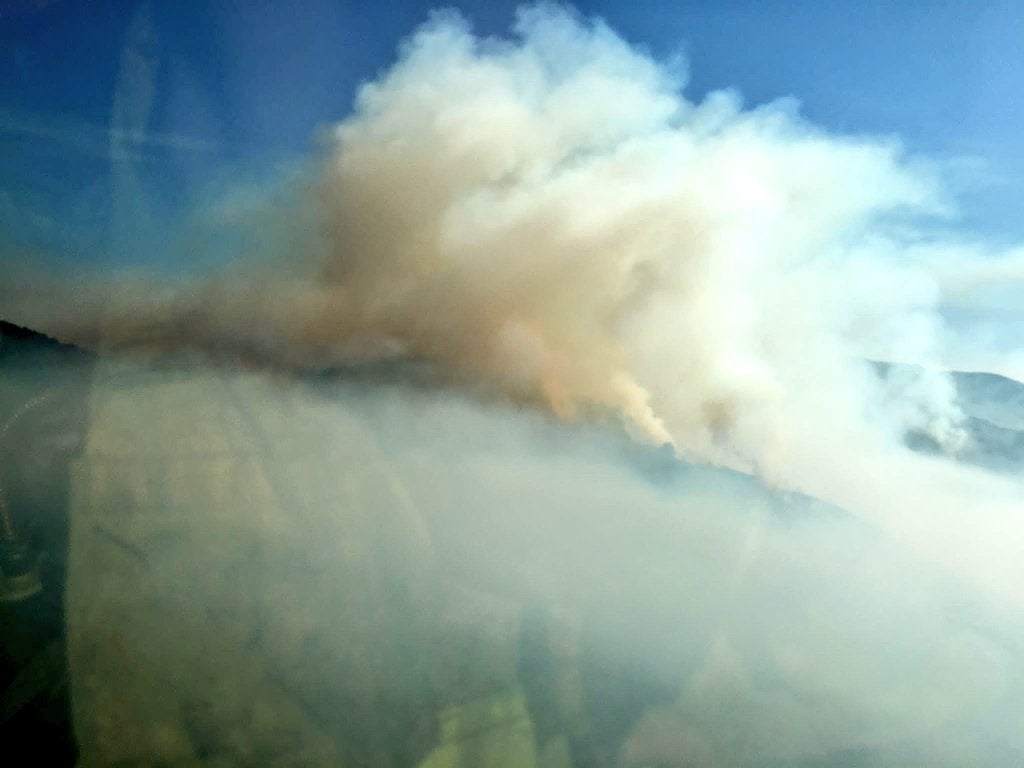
(19,572)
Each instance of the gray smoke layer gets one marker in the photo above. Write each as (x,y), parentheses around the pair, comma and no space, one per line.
(355,533)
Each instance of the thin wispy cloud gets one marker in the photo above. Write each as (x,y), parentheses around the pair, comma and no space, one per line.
(98,140)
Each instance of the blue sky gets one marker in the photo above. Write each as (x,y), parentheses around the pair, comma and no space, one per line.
(116,117)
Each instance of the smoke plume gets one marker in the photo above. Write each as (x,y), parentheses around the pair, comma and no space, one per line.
(549,225)
(549,218)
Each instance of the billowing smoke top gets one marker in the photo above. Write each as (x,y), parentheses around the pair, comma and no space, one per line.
(549,217)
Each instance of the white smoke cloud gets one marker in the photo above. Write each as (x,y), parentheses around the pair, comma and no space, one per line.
(547,216)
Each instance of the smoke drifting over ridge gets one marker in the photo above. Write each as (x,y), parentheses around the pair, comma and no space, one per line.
(548,216)
(547,220)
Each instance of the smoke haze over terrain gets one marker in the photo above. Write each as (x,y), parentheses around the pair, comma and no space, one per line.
(550,223)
